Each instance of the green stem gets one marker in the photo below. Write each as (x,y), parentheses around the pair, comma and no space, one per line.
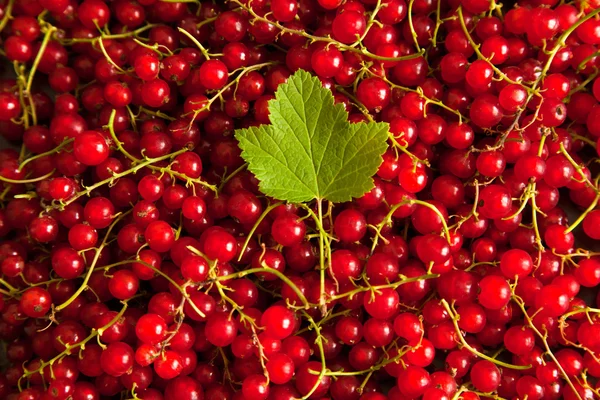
(157,271)
(268,270)
(577,168)
(10,287)
(439,214)
(109,37)
(231,175)
(438,23)
(582,216)
(81,345)
(370,23)
(473,350)
(196,42)
(108,57)
(256,224)
(384,222)
(50,30)
(583,139)
(24,181)
(7,14)
(136,160)
(534,210)
(146,163)
(322,300)
(403,280)
(319,342)
(47,153)
(521,305)
(412,27)
(327,39)
(92,264)
(118,143)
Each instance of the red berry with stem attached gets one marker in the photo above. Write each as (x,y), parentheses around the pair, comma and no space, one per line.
(516,263)
(117,359)
(383,304)
(18,49)
(349,26)
(327,61)
(99,212)
(485,111)
(124,284)
(43,229)
(307,377)
(221,330)
(117,94)
(12,266)
(373,93)
(281,368)
(195,268)
(67,263)
(231,25)
(288,230)
(485,376)
(558,239)
(160,236)
(155,93)
(168,365)
(82,236)
(519,340)
(35,302)
(244,206)
(93,14)
(551,300)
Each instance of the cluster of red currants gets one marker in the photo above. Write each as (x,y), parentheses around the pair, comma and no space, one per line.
(139,259)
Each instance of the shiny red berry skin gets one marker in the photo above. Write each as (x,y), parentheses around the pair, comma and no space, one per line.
(91,148)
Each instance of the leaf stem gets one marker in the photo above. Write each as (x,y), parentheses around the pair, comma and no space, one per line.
(322,301)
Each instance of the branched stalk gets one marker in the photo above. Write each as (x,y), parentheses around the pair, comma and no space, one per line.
(92,266)
(47,153)
(543,338)
(462,340)
(327,39)
(70,348)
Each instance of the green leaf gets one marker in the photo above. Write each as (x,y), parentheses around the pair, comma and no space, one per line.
(310,150)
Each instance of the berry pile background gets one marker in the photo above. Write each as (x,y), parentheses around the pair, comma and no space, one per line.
(294,199)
